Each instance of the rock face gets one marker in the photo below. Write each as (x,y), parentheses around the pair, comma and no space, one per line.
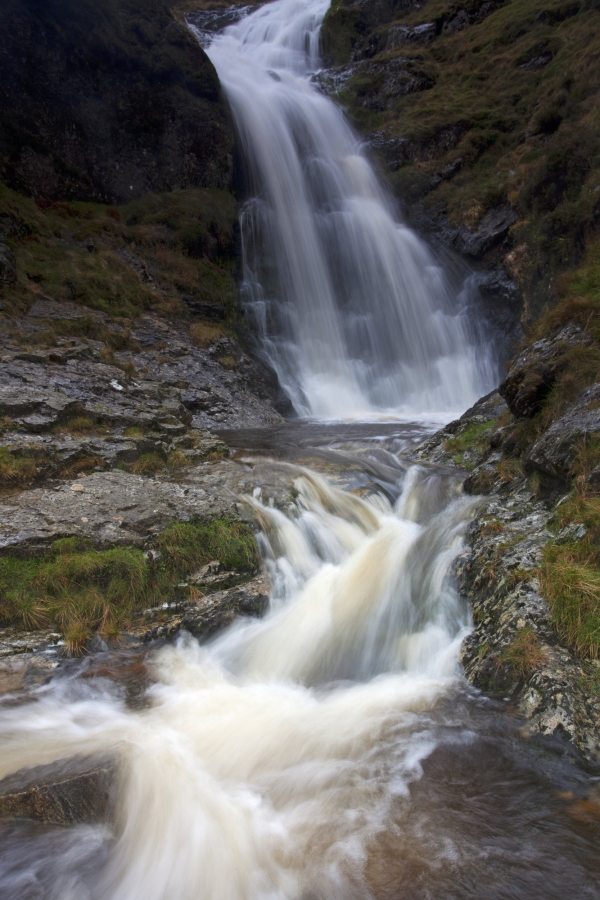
(498,575)
(110,508)
(514,649)
(534,372)
(106,100)
(556,452)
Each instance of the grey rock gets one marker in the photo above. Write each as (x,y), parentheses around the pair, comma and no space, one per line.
(457,22)
(556,451)
(492,229)
(400,34)
(497,574)
(210,614)
(534,372)
(109,508)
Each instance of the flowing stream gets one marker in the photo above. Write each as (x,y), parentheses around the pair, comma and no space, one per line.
(331,750)
(351,309)
(328,751)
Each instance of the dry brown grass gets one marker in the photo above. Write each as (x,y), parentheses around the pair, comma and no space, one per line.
(203,334)
(524,655)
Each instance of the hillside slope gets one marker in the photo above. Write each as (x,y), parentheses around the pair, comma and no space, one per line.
(486,117)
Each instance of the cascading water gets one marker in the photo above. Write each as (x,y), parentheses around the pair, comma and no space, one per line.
(352,311)
(326,752)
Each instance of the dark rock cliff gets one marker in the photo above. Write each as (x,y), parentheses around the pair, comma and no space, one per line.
(106,100)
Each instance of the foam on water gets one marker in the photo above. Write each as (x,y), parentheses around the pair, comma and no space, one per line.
(267,762)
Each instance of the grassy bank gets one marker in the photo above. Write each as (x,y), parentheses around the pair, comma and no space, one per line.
(152,254)
(79,589)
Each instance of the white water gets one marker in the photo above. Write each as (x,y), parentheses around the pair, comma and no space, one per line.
(353,313)
(257,772)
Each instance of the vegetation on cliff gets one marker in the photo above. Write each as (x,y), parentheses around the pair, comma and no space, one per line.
(171,253)
(478,105)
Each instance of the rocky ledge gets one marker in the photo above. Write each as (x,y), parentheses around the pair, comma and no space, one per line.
(530,564)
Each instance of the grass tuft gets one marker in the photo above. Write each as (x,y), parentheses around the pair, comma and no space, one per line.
(79,589)
(570,576)
(16,471)
(524,655)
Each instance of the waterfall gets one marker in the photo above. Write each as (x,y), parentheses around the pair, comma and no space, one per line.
(352,311)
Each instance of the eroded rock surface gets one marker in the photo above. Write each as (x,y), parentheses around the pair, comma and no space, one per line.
(72,792)
(514,649)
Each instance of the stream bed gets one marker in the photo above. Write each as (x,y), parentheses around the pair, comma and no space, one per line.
(327,751)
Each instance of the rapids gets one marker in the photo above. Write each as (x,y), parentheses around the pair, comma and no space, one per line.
(328,751)
(350,307)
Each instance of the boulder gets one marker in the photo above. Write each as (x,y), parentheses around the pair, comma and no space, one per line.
(70,792)
(557,450)
(492,229)
(533,373)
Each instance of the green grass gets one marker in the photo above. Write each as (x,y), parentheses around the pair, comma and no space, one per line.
(79,589)
(182,243)
(187,546)
(570,576)
(15,471)
(472,439)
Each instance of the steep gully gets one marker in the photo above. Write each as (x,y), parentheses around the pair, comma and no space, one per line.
(330,749)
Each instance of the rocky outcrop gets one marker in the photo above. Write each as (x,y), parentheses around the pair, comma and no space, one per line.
(162,382)
(109,508)
(557,451)
(515,649)
(534,372)
(107,100)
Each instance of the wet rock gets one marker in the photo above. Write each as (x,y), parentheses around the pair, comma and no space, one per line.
(8,265)
(557,450)
(109,508)
(492,229)
(533,374)
(209,614)
(35,382)
(498,576)
(501,305)
(73,792)
(514,650)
